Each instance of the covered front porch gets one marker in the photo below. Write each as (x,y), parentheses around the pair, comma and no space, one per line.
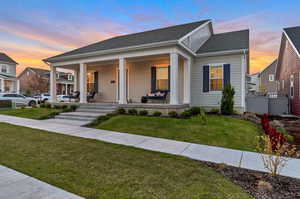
(9,84)
(125,80)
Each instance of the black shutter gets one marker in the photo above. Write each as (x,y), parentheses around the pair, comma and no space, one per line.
(226,75)
(169,76)
(96,79)
(153,79)
(205,79)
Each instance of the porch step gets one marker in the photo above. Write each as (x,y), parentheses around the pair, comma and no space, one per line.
(86,110)
(81,114)
(78,118)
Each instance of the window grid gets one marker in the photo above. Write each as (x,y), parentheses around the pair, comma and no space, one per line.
(216,78)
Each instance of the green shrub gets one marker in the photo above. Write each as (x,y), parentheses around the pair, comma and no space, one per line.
(74,107)
(48,106)
(67,109)
(227,101)
(113,114)
(34,106)
(173,114)
(214,111)
(42,105)
(64,106)
(103,118)
(143,112)
(195,110)
(53,114)
(202,118)
(23,106)
(5,104)
(56,106)
(157,114)
(186,114)
(132,111)
(121,111)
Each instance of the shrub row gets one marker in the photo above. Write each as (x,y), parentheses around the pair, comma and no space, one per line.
(194,111)
(64,107)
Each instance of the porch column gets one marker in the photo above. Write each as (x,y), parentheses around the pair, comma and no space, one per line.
(82,82)
(174,98)
(2,86)
(53,83)
(66,89)
(75,88)
(18,86)
(122,81)
(187,81)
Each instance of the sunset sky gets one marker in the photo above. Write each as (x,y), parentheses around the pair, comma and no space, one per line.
(32,30)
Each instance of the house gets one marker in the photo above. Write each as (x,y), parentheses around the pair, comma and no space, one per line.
(189,62)
(8,81)
(253,82)
(288,67)
(267,78)
(36,81)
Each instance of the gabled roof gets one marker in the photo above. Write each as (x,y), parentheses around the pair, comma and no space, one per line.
(171,33)
(228,41)
(273,64)
(5,58)
(293,34)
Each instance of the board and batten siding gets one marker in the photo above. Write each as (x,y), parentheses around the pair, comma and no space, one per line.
(213,99)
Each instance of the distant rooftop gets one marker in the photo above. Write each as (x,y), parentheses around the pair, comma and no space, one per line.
(294,34)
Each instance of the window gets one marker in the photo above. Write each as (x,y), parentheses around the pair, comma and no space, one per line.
(292,86)
(3,68)
(271,77)
(70,77)
(162,78)
(216,78)
(57,75)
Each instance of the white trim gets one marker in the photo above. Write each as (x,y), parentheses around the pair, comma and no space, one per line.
(226,52)
(115,50)
(193,31)
(174,70)
(294,47)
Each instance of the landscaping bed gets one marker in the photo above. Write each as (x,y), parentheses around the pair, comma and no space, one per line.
(260,185)
(94,169)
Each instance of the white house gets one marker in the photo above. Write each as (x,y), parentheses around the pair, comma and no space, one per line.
(8,81)
(189,62)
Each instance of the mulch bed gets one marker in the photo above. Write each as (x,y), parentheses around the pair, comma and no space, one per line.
(278,187)
(293,127)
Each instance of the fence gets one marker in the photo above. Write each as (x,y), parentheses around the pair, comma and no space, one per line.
(273,105)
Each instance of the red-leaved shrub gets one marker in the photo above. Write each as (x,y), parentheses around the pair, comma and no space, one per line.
(277,138)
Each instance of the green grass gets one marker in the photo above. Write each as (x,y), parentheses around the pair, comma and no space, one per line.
(31,113)
(220,131)
(98,170)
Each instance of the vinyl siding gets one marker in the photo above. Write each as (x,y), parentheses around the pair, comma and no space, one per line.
(11,69)
(213,99)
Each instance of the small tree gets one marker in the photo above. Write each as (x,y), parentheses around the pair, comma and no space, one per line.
(227,101)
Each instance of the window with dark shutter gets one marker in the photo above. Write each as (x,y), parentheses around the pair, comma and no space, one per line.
(205,78)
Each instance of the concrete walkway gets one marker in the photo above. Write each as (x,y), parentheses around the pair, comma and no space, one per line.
(237,158)
(15,185)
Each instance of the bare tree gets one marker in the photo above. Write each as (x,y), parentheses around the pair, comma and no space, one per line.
(38,84)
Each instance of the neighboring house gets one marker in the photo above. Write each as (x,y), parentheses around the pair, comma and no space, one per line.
(189,62)
(37,81)
(8,80)
(288,67)
(253,83)
(267,78)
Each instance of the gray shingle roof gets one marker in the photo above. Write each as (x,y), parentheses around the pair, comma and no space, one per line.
(158,35)
(5,58)
(226,41)
(294,35)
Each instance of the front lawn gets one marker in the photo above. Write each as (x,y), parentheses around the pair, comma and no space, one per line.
(95,169)
(219,131)
(31,113)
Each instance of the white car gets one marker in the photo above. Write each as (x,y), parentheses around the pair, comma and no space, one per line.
(19,99)
(64,98)
(42,98)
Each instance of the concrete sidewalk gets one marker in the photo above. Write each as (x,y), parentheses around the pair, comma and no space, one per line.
(237,158)
(15,185)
